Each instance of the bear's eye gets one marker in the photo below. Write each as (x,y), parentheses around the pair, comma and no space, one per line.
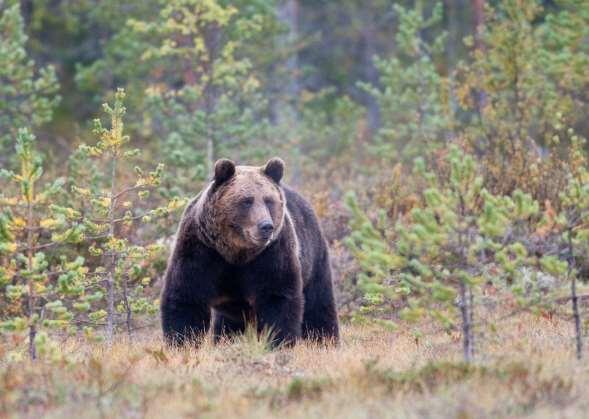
(246,202)
(269,202)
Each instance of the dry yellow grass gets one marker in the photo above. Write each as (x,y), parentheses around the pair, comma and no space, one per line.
(526,369)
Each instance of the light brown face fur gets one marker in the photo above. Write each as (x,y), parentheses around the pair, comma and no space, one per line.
(244,201)
(240,200)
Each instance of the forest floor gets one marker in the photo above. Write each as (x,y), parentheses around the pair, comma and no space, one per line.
(526,369)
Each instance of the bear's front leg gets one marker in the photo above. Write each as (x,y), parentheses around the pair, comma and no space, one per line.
(282,316)
(185,322)
(185,311)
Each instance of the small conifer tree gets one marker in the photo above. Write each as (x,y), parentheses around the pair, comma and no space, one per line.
(206,97)
(435,259)
(412,94)
(108,215)
(510,91)
(40,292)
(571,226)
(28,94)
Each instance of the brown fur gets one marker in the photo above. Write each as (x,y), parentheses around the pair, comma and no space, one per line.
(249,250)
(225,229)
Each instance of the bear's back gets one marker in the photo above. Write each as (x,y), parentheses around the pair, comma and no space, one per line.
(312,245)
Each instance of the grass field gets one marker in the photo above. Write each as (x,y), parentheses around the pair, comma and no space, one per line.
(527,369)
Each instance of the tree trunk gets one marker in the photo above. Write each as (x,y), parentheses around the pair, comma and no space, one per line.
(31,286)
(110,308)
(455,30)
(371,75)
(212,42)
(467,335)
(284,109)
(574,297)
(451,9)
(471,321)
(110,279)
(577,316)
(127,305)
(479,21)
(210,150)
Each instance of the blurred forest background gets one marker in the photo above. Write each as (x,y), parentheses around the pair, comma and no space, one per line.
(441,144)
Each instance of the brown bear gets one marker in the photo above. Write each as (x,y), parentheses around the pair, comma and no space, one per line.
(249,249)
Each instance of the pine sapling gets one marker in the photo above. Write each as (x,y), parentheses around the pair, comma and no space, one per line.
(109,213)
(42,291)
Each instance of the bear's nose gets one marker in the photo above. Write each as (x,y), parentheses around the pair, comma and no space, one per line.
(266,228)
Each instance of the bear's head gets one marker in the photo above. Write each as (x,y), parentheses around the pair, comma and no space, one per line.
(246,208)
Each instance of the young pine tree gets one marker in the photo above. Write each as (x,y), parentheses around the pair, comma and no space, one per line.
(109,213)
(571,227)
(371,245)
(412,94)
(528,70)
(436,258)
(28,94)
(205,97)
(38,292)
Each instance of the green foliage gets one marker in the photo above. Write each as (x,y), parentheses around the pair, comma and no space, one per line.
(436,258)
(47,291)
(572,227)
(33,284)
(347,93)
(377,260)
(107,209)
(328,130)
(117,62)
(205,103)
(28,94)
(412,94)
(517,87)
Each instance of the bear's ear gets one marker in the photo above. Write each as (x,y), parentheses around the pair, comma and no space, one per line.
(224,170)
(274,169)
